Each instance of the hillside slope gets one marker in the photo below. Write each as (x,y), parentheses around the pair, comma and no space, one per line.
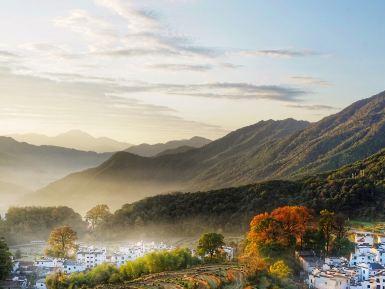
(126,177)
(151,150)
(357,190)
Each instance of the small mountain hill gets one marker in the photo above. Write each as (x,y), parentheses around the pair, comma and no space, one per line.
(74,139)
(150,150)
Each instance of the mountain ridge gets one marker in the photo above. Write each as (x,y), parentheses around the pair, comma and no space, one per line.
(74,139)
(31,166)
(152,150)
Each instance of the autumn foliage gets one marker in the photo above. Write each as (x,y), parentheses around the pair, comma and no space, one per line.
(282,228)
(270,243)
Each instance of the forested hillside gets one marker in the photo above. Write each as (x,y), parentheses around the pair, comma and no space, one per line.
(356,190)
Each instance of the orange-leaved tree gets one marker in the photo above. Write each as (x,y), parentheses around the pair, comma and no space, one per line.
(294,220)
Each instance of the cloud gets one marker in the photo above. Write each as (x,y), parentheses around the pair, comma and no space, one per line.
(29,101)
(99,32)
(313,107)
(8,54)
(181,67)
(138,20)
(309,80)
(280,53)
(223,90)
(230,65)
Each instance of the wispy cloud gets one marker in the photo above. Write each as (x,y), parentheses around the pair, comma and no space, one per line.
(8,54)
(313,107)
(281,53)
(145,35)
(230,65)
(181,67)
(309,80)
(224,90)
(138,20)
(100,33)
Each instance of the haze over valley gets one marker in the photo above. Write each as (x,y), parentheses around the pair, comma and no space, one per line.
(192,144)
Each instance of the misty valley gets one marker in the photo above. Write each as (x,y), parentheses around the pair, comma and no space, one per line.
(192,144)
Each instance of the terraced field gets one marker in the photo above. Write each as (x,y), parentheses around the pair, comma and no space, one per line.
(203,277)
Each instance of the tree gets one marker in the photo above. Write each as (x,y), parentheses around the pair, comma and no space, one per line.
(342,247)
(340,226)
(210,243)
(97,215)
(314,240)
(62,242)
(326,223)
(294,220)
(280,270)
(5,260)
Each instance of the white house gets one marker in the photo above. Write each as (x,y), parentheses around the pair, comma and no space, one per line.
(91,257)
(365,269)
(70,267)
(48,263)
(229,251)
(328,280)
(364,238)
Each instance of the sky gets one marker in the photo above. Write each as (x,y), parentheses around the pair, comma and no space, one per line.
(155,70)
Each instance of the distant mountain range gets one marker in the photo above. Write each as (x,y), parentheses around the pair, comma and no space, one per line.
(150,150)
(266,150)
(75,139)
(33,166)
(79,140)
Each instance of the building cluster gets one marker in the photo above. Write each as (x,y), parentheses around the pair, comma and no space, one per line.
(365,269)
(86,258)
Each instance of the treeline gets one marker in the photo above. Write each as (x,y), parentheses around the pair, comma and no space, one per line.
(35,223)
(108,274)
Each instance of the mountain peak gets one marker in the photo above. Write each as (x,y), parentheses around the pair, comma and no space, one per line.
(75,133)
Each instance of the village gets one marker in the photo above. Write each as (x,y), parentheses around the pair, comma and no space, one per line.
(33,273)
(365,268)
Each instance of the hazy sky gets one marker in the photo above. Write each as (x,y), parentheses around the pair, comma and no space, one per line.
(149,71)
